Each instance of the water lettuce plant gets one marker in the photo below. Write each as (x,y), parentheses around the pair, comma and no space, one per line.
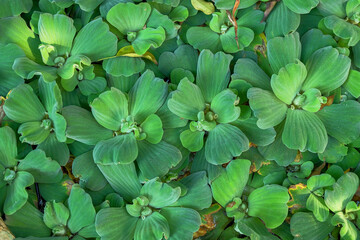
(179,119)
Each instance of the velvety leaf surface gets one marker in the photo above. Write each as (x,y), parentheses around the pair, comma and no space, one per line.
(269,204)
(269,110)
(231,182)
(154,227)
(8,147)
(304,131)
(160,194)
(224,142)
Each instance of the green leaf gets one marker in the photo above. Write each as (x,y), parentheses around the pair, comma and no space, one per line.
(346,115)
(94,86)
(185,57)
(248,70)
(256,135)
(277,150)
(304,131)
(334,151)
(155,160)
(17,194)
(33,132)
(57,30)
(8,147)
(352,83)
(110,108)
(69,70)
(129,17)
(154,227)
(183,222)
(187,101)
(20,225)
(27,69)
(50,96)
(327,70)
(22,105)
(43,169)
(115,224)
(90,176)
(314,40)
(318,207)
(9,79)
(281,14)
(88,5)
(160,194)
(342,192)
(213,73)
(320,181)
(157,19)
(193,141)
(230,45)
(152,126)
(123,66)
(82,126)
(54,149)
(81,215)
(149,37)
(348,230)
(203,6)
(301,6)
(273,208)
(231,182)
(255,228)
(224,105)
(269,110)
(343,29)
(283,50)
(121,149)
(55,214)
(147,96)
(11,8)
(197,188)
(14,30)
(95,41)
(224,142)
(168,118)
(123,179)
(195,38)
(287,84)
(304,225)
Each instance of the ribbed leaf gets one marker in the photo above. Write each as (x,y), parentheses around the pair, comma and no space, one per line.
(304,226)
(301,6)
(352,84)
(147,96)
(8,147)
(160,194)
(81,215)
(272,209)
(153,227)
(123,179)
(224,105)
(283,50)
(95,41)
(153,128)
(346,115)
(224,142)
(129,17)
(57,30)
(342,192)
(327,70)
(304,131)
(149,37)
(115,224)
(22,105)
(82,126)
(110,108)
(289,81)
(155,160)
(121,149)
(213,73)
(281,14)
(231,182)
(248,70)
(269,110)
